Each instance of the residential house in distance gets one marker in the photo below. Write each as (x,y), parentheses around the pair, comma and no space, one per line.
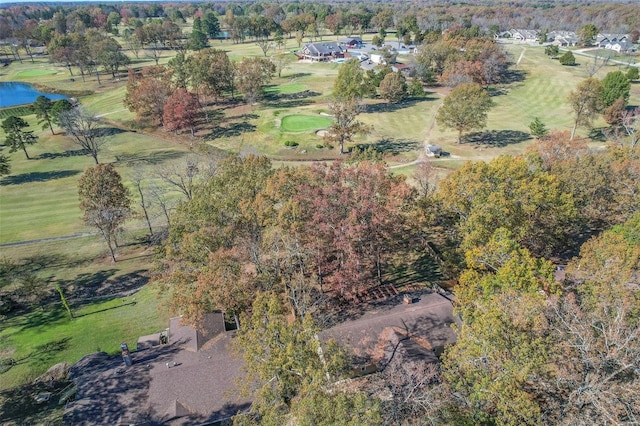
(602,40)
(351,42)
(321,51)
(562,38)
(523,36)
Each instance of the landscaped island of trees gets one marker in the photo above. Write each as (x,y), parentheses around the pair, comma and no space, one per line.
(297,166)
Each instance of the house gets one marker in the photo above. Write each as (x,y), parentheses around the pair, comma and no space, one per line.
(562,38)
(321,52)
(351,42)
(524,36)
(399,47)
(602,40)
(403,68)
(621,46)
(419,328)
(188,381)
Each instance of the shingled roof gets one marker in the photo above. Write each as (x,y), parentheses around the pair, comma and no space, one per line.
(420,330)
(168,384)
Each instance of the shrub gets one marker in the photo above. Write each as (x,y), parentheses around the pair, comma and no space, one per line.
(291,143)
(567,59)
(319,146)
(633,73)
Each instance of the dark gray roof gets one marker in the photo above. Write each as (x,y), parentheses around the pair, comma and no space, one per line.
(199,388)
(325,48)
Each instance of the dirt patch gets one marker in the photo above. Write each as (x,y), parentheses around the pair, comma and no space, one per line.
(322,133)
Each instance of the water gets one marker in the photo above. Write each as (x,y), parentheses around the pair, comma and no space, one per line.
(12,94)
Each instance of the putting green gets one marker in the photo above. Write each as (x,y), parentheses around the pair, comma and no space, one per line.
(286,88)
(302,123)
(36,73)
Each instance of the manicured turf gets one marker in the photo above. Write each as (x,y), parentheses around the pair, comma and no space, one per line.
(46,336)
(302,123)
(286,88)
(36,73)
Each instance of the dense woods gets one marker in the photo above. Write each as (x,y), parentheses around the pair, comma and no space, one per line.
(315,238)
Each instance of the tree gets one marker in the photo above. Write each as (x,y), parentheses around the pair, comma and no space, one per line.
(198,36)
(595,333)
(283,359)
(613,114)
(615,85)
(586,102)
(85,130)
(211,24)
(507,192)
(181,111)
(537,128)
(147,94)
(465,108)
(393,87)
(222,285)
(587,34)
(15,137)
(344,126)
(212,72)
(501,344)
(349,84)
(352,217)
(105,202)
(42,107)
(253,74)
(282,61)
(633,73)
(5,167)
(567,59)
(552,51)
(58,108)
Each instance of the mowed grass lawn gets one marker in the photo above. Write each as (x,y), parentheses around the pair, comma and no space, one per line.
(40,338)
(40,197)
(302,123)
(46,336)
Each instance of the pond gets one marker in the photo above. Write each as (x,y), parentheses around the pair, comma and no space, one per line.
(12,94)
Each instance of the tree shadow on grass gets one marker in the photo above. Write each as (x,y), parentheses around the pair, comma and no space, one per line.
(496,138)
(133,303)
(298,75)
(231,130)
(109,131)
(387,107)
(37,177)
(513,76)
(86,288)
(149,157)
(69,153)
(389,146)
(286,103)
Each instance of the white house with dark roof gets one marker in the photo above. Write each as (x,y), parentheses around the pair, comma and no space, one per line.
(562,38)
(322,51)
